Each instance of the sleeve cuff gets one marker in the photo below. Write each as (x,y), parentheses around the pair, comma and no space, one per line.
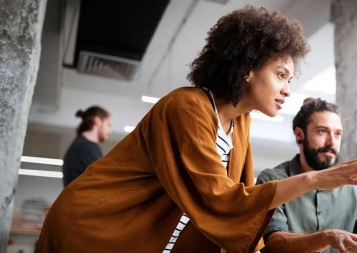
(275,226)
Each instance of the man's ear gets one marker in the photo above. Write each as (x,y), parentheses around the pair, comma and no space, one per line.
(299,135)
(97,120)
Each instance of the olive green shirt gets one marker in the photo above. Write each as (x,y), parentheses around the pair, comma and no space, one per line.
(314,211)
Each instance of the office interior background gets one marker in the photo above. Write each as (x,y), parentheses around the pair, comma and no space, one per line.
(123,57)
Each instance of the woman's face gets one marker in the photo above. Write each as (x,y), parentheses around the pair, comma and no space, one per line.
(269,85)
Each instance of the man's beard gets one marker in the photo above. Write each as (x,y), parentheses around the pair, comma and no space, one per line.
(102,136)
(312,156)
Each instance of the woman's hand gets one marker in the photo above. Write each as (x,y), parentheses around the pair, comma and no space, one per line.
(336,176)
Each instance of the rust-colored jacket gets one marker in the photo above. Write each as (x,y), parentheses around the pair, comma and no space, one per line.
(132,199)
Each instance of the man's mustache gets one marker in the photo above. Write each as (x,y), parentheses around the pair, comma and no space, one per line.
(326,149)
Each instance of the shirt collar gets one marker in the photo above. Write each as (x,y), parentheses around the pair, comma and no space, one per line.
(295,167)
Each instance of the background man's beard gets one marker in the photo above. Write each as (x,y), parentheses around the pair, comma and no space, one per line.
(101,138)
(312,156)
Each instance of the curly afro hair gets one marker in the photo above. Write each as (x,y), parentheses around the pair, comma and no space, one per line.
(240,42)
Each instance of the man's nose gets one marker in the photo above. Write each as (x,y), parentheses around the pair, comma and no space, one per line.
(331,140)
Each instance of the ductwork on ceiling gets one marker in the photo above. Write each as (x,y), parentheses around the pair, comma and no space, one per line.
(112,36)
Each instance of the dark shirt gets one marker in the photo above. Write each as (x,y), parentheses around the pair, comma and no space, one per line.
(78,157)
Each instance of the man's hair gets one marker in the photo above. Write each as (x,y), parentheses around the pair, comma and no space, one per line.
(88,118)
(309,107)
(240,42)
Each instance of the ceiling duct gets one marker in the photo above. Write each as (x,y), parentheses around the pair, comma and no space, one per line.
(107,66)
(113,36)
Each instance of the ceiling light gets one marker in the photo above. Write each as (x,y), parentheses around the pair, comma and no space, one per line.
(41,173)
(261,116)
(148,99)
(129,129)
(41,160)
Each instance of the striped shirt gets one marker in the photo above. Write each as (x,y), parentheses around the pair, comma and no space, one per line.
(224,146)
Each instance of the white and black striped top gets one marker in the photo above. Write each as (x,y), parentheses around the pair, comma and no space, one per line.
(224,146)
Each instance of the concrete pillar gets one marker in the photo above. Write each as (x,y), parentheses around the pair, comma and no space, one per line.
(20,34)
(343,14)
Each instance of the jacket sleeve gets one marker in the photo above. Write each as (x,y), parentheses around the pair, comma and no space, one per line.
(248,178)
(232,215)
(279,219)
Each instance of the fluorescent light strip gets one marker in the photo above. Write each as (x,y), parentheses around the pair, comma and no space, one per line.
(261,116)
(129,129)
(41,173)
(41,160)
(148,99)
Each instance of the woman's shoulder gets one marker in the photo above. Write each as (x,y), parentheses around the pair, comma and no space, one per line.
(185,97)
(187,92)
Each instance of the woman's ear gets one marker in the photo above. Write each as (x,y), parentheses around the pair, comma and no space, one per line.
(248,77)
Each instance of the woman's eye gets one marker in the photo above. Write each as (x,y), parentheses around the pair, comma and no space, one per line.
(281,75)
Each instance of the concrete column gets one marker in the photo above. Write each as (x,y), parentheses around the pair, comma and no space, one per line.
(343,14)
(20,35)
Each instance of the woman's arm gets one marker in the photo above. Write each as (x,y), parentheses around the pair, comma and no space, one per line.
(336,176)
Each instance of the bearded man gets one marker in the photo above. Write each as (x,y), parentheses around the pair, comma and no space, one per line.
(312,222)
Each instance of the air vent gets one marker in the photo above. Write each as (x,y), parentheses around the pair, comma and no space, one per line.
(112,36)
(108,66)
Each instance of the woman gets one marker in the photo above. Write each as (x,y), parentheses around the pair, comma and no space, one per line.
(182,181)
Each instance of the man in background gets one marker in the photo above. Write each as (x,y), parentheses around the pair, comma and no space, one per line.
(84,150)
(312,222)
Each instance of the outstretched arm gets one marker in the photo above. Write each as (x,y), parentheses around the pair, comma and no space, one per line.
(313,242)
(336,176)
(291,188)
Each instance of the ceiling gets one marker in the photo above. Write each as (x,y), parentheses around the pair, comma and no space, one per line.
(178,38)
